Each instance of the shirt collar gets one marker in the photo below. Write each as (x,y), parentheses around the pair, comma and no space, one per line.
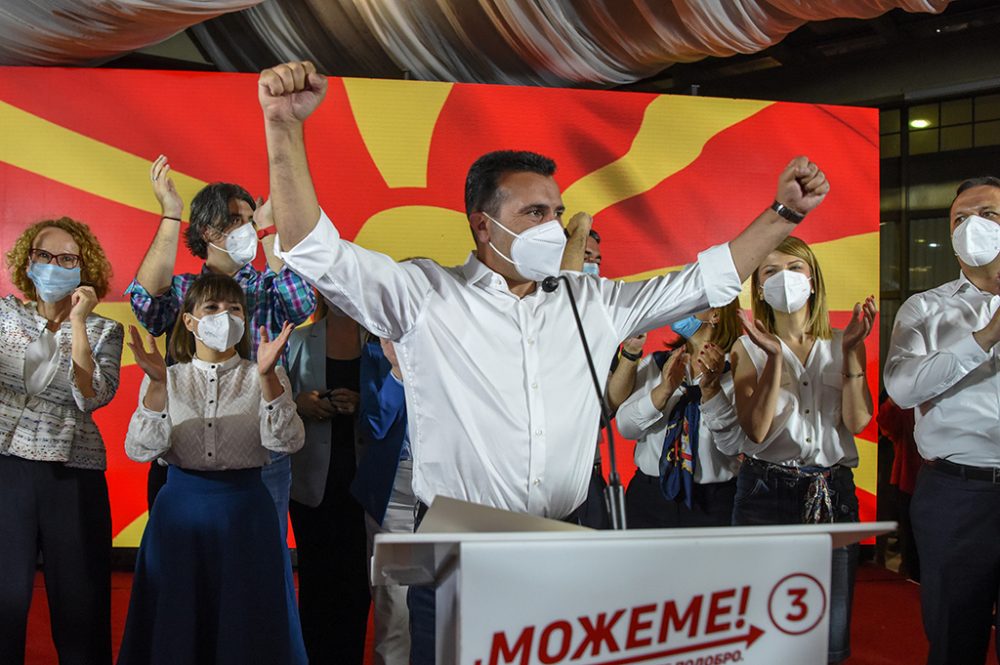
(476,272)
(962,285)
(225,365)
(242,276)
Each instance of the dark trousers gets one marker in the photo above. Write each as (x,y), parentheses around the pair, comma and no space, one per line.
(593,512)
(333,582)
(956,523)
(65,514)
(647,508)
(766,496)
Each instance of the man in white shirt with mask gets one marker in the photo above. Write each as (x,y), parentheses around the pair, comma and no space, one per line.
(500,402)
(943,361)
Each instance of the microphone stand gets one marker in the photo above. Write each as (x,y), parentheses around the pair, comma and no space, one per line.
(613,493)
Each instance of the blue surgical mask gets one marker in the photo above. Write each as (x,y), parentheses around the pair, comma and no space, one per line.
(687,327)
(592,269)
(53,282)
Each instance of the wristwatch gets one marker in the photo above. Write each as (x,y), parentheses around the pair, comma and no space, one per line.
(792,216)
(634,357)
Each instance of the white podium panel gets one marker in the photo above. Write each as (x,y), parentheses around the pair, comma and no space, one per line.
(678,601)
(664,597)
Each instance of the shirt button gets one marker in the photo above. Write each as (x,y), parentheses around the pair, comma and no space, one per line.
(807,410)
(809,439)
(213,366)
(537,481)
(538,432)
(805,383)
(211,380)
(210,454)
(534,385)
(211,401)
(531,340)
(210,424)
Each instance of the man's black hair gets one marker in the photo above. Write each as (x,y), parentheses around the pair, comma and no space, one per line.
(981,181)
(595,235)
(482,184)
(210,210)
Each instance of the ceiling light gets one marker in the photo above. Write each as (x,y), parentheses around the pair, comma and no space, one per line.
(920,123)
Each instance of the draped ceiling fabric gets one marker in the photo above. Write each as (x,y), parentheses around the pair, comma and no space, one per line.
(549,42)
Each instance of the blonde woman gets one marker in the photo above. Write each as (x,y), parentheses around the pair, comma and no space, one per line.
(801,396)
(59,362)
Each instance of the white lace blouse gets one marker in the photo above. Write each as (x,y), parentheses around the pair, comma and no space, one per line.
(215,419)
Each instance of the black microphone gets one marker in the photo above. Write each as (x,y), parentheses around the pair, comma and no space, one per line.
(613,493)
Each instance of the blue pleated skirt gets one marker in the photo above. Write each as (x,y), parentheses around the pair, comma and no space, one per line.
(212,581)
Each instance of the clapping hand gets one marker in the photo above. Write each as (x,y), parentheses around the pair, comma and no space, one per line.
(759,335)
(710,361)
(860,326)
(163,187)
(151,362)
(268,351)
(674,369)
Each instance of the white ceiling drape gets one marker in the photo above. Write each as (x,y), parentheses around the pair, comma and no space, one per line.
(550,42)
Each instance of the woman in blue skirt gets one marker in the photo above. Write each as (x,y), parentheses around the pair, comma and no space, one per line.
(210,580)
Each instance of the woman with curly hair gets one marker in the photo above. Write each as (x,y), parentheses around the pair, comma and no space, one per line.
(58,363)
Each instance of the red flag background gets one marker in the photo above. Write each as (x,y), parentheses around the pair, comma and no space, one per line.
(664,176)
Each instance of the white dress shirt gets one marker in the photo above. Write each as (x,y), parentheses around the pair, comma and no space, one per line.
(500,403)
(215,418)
(936,365)
(808,427)
(719,429)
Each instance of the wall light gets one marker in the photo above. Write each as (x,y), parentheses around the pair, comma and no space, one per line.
(920,123)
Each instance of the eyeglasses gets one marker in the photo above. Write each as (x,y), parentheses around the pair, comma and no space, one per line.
(69,261)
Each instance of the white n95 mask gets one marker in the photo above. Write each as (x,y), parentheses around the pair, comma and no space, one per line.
(220,331)
(976,240)
(537,252)
(787,291)
(241,244)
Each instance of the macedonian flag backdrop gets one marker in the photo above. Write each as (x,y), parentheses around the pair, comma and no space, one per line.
(664,176)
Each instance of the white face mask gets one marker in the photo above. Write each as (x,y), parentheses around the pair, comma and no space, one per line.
(976,240)
(219,332)
(537,252)
(787,291)
(592,269)
(241,245)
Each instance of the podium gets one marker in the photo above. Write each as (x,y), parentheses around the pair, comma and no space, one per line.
(522,590)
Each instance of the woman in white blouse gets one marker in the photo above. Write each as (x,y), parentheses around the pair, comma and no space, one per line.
(686,431)
(58,363)
(210,580)
(801,396)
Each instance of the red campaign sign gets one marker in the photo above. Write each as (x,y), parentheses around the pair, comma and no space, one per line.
(664,177)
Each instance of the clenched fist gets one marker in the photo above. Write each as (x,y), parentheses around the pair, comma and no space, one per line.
(289,93)
(801,186)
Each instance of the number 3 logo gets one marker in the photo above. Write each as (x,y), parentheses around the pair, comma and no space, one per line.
(797,604)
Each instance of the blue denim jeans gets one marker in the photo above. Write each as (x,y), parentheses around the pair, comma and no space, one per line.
(766,496)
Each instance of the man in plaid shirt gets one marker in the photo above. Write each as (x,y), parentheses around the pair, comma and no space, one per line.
(223,232)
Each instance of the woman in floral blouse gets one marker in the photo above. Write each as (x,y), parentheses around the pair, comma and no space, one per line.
(58,363)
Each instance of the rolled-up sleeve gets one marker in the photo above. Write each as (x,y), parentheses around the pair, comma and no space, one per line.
(148,435)
(156,313)
(106,347)
(637,415)
(281,428)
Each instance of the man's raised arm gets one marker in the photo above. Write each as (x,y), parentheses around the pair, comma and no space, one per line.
(801,187)
(288,94)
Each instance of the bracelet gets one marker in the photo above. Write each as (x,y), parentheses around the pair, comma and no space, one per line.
(269,231)
(176,219)
(634,357)
(793,216)
(853,376)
